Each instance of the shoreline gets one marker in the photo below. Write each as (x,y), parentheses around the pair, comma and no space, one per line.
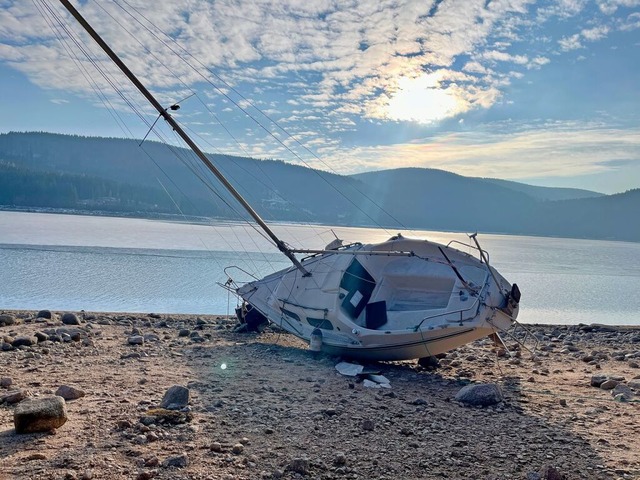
(295,417)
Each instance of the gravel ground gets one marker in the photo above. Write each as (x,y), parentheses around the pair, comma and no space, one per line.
(262,406)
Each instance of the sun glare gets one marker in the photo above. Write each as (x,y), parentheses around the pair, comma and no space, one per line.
(423,100)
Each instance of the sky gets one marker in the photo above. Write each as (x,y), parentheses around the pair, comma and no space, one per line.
(546,93)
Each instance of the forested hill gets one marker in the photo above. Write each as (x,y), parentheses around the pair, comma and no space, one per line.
(41,170)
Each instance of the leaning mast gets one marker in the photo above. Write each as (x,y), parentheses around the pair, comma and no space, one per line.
(178,129)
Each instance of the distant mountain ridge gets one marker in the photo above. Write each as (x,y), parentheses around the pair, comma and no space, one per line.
(43,170)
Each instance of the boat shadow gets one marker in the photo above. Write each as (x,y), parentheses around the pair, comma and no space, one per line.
(306,407)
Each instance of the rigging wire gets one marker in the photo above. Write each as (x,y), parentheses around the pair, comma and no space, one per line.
(52,18)
(199,164)
(260,124)
(196,164)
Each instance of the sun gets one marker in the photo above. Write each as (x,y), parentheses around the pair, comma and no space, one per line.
(423,100)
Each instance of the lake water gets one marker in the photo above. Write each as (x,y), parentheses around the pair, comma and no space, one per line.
(74,262)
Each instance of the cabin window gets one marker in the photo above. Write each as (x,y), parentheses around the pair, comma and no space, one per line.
(322,323)
(359,284)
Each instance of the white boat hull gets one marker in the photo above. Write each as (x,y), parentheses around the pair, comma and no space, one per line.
(398,300)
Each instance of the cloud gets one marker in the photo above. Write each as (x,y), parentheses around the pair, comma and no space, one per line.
(555,149)
(570,43)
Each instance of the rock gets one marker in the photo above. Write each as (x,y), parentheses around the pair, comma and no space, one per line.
(14,396)
(624,390)
(216,447)
(609,384)
(163,416)
(597,380)
(368,425)
(419,401)
(22,341)
(151,337)
(635,384)
(40,414)
(340,459)
(136,340)
(299,465)
(181,461)
(41,337)
(175,398)
(237,448)
(429,362)
(70,319)
(183,332)
(550,473)
(69,393)
(7,320)
(44,314)
(482,394)
(6,382)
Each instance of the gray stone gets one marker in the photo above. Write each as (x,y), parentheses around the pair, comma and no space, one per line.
(181,461)
(136,340)
(183,332)
(482,395)
(40,414)
(175,398)
(622,389)
(6,382)
(69,393)
(237,448)
(7,320)
(44,314)
(340,459)
(635,384)
(22,342)
(609,384)
(598,380)
(14,396)
(299,465)
(41,337)
(368,425)
(70,319)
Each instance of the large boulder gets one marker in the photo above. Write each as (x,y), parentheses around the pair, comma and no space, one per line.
(480,395)
(7,320)
(40,414)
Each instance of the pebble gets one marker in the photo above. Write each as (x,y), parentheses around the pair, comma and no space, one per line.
(69,393)
(237,448)
(299,465)
(180,461)
(368,425)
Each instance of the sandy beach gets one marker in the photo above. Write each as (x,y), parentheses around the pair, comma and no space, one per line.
(262,406)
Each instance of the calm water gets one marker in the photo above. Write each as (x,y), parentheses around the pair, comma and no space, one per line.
(73,262)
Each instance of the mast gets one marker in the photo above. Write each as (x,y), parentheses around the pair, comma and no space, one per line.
(178,129)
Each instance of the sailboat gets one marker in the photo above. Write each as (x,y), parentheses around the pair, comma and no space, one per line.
(401,299)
